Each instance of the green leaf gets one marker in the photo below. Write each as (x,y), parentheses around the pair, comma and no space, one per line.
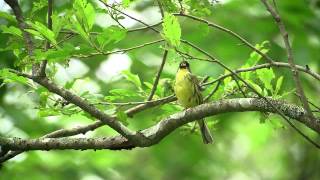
(266,76)
(58,55)
(255,86)
(35,33)
(45,112)
(55,55)
(122,116)
(126,3)
(121,94)
(80,29)
(8,77)
(44,31)
(278,85)
(149,85)
(7,16)
(254,56)
(57,23)
(38,5)
(11,30)
(171,29)
(85,13)
(199,7)
(43,98)
(132,78)
(112,34)
(170,6)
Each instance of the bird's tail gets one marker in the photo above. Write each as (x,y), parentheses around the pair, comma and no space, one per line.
(205,132)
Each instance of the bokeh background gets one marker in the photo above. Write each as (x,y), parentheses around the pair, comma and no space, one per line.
(244,148)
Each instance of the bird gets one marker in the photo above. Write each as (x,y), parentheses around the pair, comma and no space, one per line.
(188,93)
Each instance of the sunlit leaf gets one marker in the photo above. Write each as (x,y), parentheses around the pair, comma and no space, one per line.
(278,85)
(171,29)
(254,56)
(122,116)
(112,34)
(8,77)
(11,30)
(255,86)
(44,31)
(85,14)
(38,5)
(7,16)
(266,76)
(134,78)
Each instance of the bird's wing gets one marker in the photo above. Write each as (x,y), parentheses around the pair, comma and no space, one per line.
(196,86)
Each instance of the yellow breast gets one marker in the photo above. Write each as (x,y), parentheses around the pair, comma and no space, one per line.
(184,89)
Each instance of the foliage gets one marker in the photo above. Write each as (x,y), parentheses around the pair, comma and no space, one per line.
(83,34)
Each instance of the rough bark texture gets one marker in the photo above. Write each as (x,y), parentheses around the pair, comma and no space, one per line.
(157,132)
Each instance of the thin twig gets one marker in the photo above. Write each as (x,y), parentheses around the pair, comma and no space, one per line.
(43,65)
(212,92)
(215,60)
(211,24)
(155,84)
(131,17)
(86,128)
(121,50)
(295,72)
(130,103)
(239,87)
(161,8)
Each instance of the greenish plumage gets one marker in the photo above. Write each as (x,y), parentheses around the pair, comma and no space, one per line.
(188,93)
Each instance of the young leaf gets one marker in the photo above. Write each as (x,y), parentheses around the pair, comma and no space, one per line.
(8,76)
(255,86)
(254,56)
(79,29)
(126,3)
(122,116)
(7,16)
(57,23)
(112,34)
(171,29)
(85,13)
(44,31)
(266,76)
(11,30)
(132,78)
(278,85)
(123,92)
(36,6)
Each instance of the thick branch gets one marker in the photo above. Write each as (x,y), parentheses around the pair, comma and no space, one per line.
(157,132)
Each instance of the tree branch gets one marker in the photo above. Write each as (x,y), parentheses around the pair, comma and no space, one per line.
(157,132)
(285,38)
(211,24)
(155,84)
(87,107)
(43,65)
(121,50)
(86,128)
(26,36)
(215,60)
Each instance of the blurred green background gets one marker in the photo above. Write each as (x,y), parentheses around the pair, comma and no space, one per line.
(243,149)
